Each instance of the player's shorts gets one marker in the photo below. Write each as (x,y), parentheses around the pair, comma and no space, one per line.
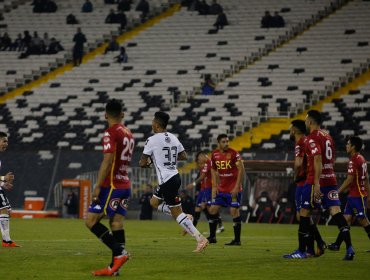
(111,201)
(225,200)
(204,196)
(169,191)
(298,197)
(330,197)
(4,202)
(356,206)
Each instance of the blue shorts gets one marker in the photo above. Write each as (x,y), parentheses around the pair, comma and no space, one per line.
(111,201)
(204,196)
(298,197)
(330,197)
(356,206)
(225,200)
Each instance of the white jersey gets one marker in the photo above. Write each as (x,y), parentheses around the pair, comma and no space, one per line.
(163,149)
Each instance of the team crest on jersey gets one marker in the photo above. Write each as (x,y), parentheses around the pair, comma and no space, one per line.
(167,139)
(106,139)
(228,156)
(333,195)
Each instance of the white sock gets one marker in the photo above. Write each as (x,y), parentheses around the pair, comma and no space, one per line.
(184,221)
(4,225)
(163,207)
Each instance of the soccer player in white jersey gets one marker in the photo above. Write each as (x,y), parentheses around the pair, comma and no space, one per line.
(163,149)
(6,183)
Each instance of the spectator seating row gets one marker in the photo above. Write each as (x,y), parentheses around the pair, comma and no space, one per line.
(13,72)
(165,62)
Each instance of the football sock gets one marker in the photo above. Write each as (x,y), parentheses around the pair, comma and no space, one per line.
(343,227)
(304,235)
(212,225)
(4,225)
(102,232)
(316,234)
(196,218)
(237,228)
(187,225)
(367,229)
(205,211)
(163,207)
(219,220)
(339,239)
(119,236)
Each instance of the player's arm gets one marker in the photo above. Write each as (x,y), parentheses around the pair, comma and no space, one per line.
(346,184)
(104,170)
(239,164)
(317,160)
(196,181)
(367,186)
(297,167)
(214,182)
(145,161)
(182,156)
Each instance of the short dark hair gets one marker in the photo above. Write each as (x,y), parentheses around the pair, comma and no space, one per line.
(356,142)
(199,153)
(316,116)
(162,118)
(300,125)
(114,108)
(219,137)
(3,134)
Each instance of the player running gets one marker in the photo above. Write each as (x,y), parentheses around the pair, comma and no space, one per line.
(163,149)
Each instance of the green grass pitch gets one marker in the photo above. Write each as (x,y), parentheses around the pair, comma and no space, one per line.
(65,249)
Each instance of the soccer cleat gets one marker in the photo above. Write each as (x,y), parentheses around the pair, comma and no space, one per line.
(202,244)
(333,247)
(350,254)
(107,271)
(212,240)
(10,244)
(119,261)
(320,250)
(220,229)
(296,255)
(233,243)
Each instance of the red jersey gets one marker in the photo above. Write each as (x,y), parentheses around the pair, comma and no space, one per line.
(357,167)
(320,142)
(225,163)
(207,181)
(118,140)
(300,152)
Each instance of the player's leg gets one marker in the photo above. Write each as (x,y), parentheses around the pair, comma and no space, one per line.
(234,205)
(213,210)
(5,222)
(305,238)
(344,231)
(198,208)
(172,199)
(348,216)
(157,202)
(330,200)
(235,214)
(321,245)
